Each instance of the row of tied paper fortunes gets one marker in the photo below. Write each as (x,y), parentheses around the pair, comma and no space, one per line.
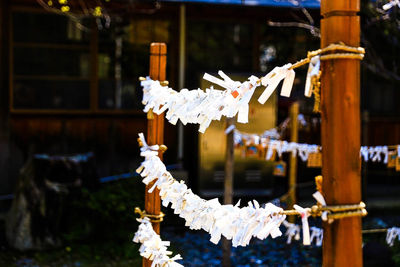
(152,247)
(280,147)
(202,107)
(233,222)
(317,234)
(373,153)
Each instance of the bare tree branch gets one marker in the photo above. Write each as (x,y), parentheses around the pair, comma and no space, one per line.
(313,30)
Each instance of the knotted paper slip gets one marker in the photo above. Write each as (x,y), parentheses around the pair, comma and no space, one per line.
(234,223)
(391,235)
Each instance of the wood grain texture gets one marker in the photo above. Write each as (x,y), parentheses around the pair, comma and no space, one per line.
(340,134)
(155,130)
(339,5)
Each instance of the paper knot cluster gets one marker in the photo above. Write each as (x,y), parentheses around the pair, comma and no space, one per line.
(293,232)
(234,223)
(153,248)
(391,235)
(250,138)
(202,107)
(377,153)
(280,147)
(198,106)
(268,141)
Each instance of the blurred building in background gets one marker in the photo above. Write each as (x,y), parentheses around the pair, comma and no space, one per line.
(69,84)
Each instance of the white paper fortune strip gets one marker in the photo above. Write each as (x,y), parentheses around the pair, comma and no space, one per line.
(317,234)
(235,223)
(293,232)
(304,221)
(272,80)
(153,248)
(391,4)
(391,235)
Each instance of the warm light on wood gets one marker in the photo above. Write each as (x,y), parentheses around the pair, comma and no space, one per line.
(340,133)
(155,131)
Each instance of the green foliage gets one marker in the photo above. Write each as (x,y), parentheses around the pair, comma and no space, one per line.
(101,223)
(396,253)
(106,213)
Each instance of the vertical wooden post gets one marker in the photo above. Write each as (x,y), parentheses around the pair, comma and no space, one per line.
(155,129)
(228,188)
(340,132)
(294,137)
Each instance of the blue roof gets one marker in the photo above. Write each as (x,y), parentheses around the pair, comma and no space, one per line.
(272,3)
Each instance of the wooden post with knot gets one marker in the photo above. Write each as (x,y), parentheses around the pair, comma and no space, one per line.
(155,131)
(340,132)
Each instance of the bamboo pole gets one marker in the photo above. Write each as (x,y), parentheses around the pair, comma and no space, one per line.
(294,137)
(155,130)
(228,188)
(340,132)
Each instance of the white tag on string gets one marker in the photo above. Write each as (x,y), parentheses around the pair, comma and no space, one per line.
(391,235)
(317,234)
(215,80)
(288,83)
(364,153)
(320,199)
(271,81)
(243,112)
(391,4)
(292,231)
(304,221)
(385,152)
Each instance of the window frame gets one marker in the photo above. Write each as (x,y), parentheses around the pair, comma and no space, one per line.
(93,78)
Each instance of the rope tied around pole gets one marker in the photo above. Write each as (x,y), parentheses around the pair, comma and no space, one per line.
(333,211)
(350,53)
(152,217)
(329,212)
(332,51)
(145,147)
